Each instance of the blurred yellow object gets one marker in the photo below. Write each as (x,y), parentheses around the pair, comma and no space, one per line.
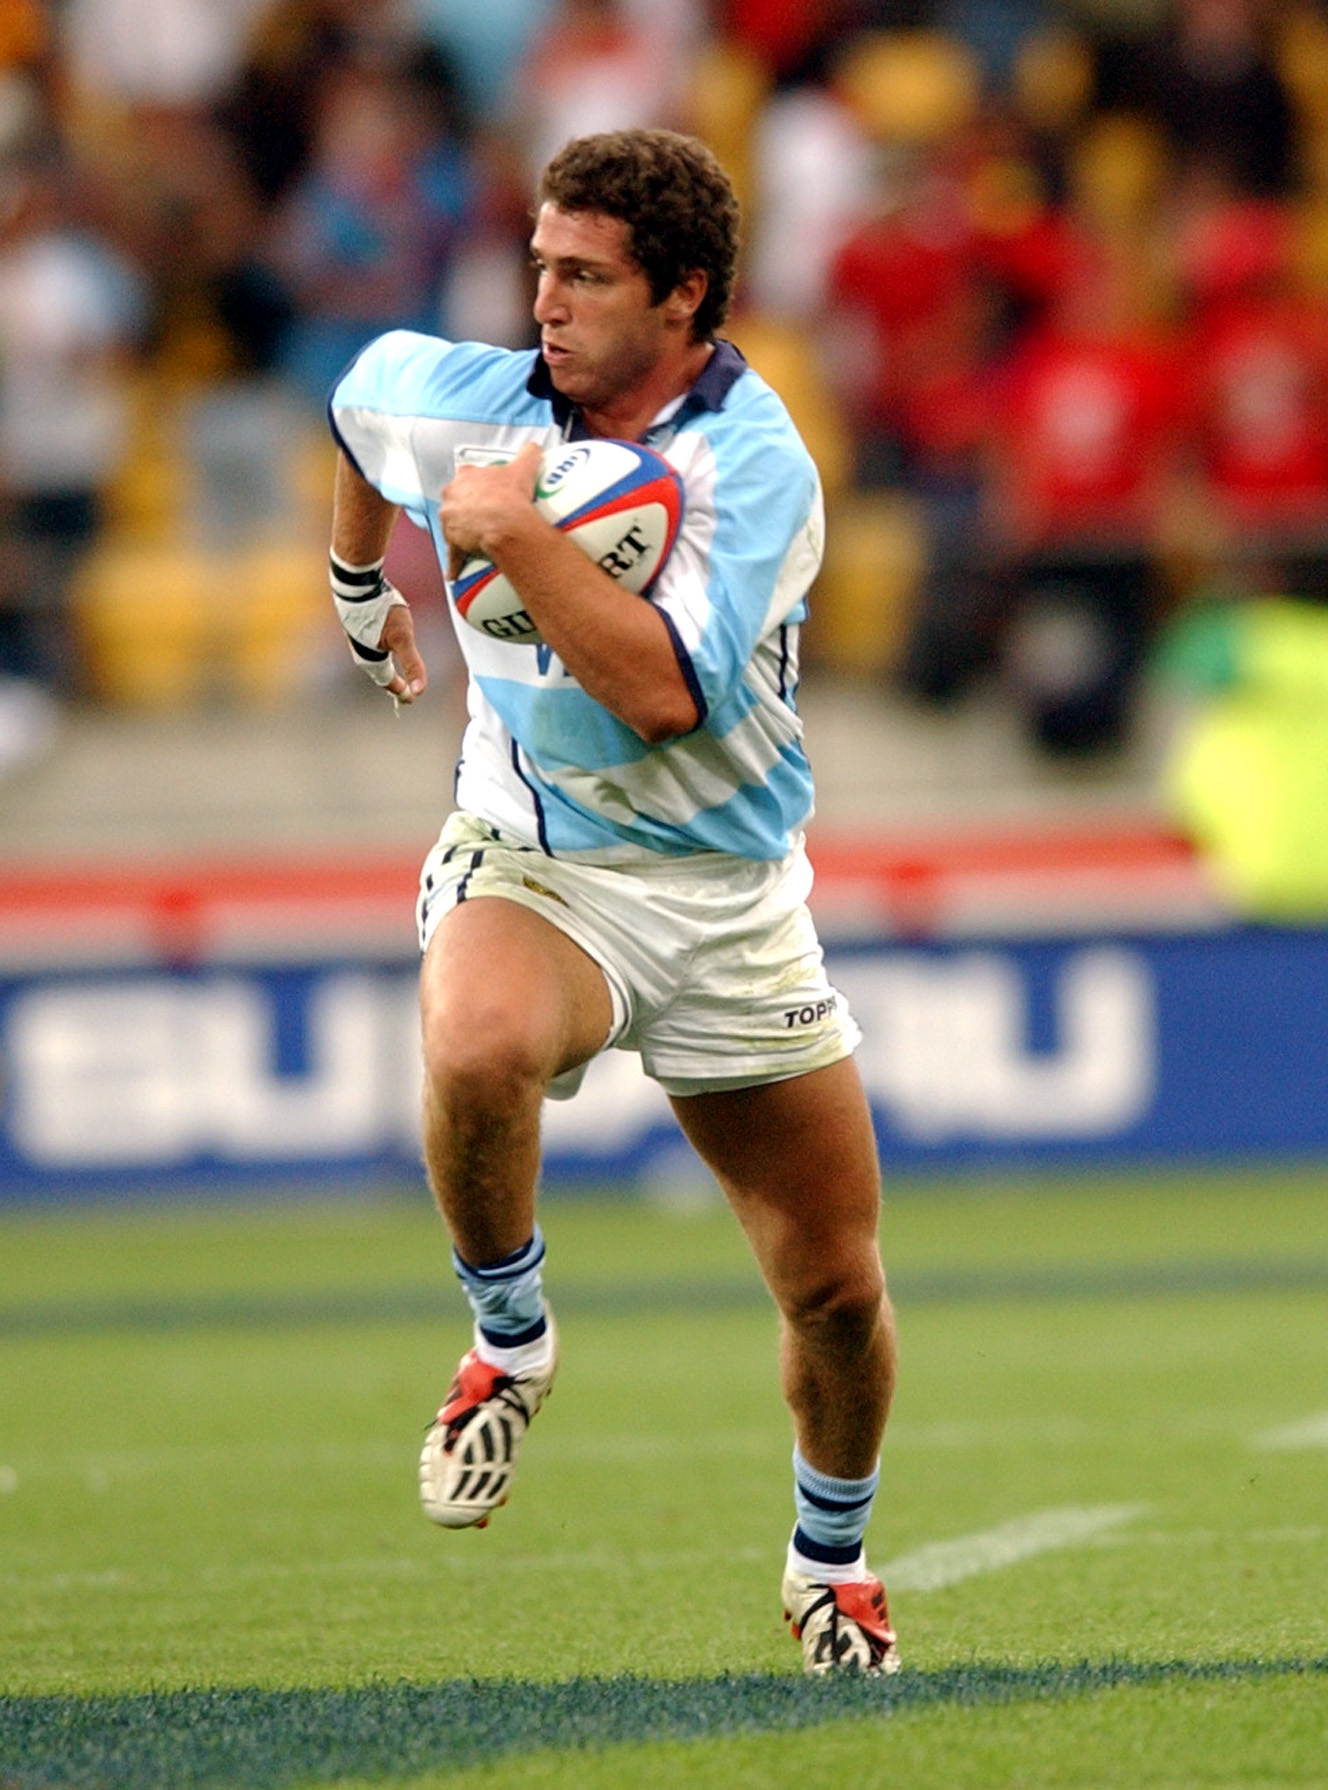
(874,551)
(1053,79)
(1249,776)
(280,620)
(146,494)
(25,32)
(144,618)
(169,614)
(164,626)
(875,557)
(1309,268)
(909,87)
(1118,171)
(1301,37)
(728,84)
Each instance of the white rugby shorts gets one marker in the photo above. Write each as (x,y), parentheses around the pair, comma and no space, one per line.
(713,964)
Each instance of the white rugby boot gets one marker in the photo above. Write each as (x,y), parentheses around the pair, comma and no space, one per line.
(843,1628)
(470,1450)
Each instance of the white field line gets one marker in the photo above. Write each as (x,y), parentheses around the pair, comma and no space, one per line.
(1309,1432)
(941,1563)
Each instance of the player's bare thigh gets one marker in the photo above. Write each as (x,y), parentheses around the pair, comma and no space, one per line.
(797,1161)
(506,993)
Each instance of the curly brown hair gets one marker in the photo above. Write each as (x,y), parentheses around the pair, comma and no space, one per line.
(675,198)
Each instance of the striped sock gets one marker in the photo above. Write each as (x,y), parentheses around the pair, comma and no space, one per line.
(832,1520)
(507,1298)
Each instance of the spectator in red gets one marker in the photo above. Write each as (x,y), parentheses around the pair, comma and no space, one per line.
(787,35)
(1259,369)
(921,297)
(1085,424)
(903,315)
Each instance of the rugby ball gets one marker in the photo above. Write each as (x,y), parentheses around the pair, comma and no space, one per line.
(620,502)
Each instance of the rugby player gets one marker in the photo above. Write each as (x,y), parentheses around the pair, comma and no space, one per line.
(624,867)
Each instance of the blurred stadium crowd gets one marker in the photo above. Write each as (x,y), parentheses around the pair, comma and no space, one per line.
(1046,287)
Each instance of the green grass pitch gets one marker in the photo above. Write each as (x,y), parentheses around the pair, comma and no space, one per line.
(1103,1522)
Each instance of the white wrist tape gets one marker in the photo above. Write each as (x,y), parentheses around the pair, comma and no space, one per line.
(363,598)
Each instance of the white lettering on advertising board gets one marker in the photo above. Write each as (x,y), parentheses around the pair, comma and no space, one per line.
(159,1070)
(156,1071)
(945,1051)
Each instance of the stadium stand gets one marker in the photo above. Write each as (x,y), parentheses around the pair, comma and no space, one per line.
(210,709)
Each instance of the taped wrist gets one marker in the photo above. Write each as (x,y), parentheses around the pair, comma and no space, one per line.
(362,598)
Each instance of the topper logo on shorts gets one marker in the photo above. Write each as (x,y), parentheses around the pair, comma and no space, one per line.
(811,1013)
(621,503)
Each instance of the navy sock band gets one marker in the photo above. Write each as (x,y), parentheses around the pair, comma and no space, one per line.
(832,1513)
(507,1267)
(507,1296)
(503,1339)
(811,1549)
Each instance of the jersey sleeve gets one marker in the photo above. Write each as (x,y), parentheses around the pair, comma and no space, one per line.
(371,403)
(751,541)
(399,404)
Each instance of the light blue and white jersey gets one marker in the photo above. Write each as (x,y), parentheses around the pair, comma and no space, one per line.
(540,759)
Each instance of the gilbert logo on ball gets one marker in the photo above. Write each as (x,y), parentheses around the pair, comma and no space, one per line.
(620,502)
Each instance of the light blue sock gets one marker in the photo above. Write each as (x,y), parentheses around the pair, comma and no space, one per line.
(507,1296)
(832,1513)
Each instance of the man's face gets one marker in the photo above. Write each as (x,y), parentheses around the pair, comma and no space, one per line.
(600,333)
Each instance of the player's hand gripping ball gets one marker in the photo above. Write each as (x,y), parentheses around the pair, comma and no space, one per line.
(620,502)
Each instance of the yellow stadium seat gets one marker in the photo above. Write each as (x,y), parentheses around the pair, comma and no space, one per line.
(728,84)
(1053,80)
(278,619)
(1118,172)
(909,87)
(1302,59)
(875,557)
(164,625)
(145,618)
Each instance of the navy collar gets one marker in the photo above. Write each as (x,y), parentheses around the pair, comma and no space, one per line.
(713,385)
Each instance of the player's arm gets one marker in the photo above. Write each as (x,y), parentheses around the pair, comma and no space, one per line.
(375,616)
(617,646)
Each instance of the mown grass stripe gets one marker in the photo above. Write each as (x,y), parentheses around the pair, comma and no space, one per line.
(393,1305)
(269,1740)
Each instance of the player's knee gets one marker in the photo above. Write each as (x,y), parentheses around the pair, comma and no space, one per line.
(488,1065)
(844,1300)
